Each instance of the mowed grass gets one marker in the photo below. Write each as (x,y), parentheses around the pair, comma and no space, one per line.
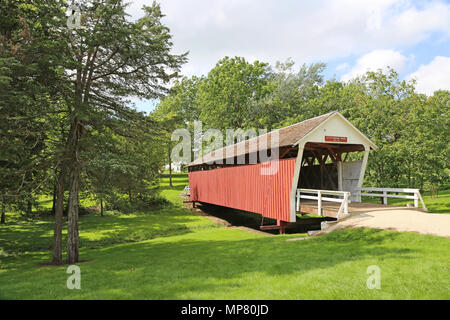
(172,253)
(23,235)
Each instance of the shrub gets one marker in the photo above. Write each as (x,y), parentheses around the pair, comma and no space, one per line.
(139,203)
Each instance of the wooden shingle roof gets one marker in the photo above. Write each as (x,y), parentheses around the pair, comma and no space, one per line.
(287,136)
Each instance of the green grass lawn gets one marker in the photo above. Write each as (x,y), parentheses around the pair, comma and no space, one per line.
(172,253)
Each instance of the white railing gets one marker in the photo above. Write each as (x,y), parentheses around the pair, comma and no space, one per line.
(186,191)
(384,194)
(318,195)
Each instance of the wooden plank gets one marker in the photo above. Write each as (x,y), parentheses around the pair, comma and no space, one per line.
(285,152)
(326,211)
(405,190)
(269,227)
(329,192)
(381,195)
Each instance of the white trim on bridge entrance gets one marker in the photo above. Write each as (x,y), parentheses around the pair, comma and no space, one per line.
(334,126)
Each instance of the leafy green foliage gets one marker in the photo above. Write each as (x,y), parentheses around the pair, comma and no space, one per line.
(225,94)
(410,129)
(31,88)
(125,166)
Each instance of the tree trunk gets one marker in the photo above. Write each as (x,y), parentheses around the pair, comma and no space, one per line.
(73,150)
(22,206)
(101,207)
(74,180)
(29,206)
(170,167)
(66,208)
(72,214)
(59,208)
(54,198)
(3,219)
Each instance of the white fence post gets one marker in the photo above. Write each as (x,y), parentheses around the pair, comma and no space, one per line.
(319,203)
(321,195)
(383,193)
(346,196)
(421,201)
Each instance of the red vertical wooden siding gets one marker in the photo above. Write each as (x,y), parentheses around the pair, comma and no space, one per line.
(245,188)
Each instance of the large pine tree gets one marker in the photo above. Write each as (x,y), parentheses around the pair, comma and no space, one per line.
(113,58)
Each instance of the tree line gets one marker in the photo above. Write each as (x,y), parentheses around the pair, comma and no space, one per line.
(410,129)
(67,127)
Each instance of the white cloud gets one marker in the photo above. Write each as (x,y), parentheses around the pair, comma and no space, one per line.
(342,66)
(377,59)
(433,76)
(307,31)
(419,23)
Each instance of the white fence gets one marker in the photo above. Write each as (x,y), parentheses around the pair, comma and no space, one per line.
(384,193)
(318,195)
(186,191)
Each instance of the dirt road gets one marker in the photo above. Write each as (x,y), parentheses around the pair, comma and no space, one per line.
(399,220)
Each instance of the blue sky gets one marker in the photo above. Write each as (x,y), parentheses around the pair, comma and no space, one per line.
(350,36)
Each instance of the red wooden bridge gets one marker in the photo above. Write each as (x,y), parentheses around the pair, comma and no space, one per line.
(312,173)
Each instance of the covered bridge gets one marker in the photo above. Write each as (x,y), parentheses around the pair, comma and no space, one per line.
(313,164)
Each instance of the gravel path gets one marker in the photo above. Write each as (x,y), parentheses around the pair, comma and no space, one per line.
(398,220)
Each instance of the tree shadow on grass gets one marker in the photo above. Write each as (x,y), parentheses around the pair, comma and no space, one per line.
(179,181)
(18,237)
(175,187)
(173,269)
(215,264)
(175,176)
